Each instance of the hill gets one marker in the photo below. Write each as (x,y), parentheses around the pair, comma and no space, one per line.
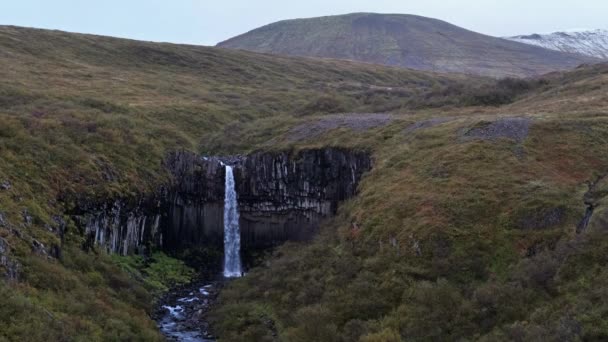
(593,43)
(468,226)
(406,41)
(471,226)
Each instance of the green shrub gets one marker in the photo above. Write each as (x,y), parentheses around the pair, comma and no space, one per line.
(158,272)
(326,104)
(104,106)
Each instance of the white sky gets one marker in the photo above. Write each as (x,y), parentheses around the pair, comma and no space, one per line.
(207,22)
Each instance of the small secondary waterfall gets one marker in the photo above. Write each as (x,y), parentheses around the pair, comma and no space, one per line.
(232,233)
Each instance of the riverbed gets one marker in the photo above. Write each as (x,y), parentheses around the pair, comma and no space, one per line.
(182,313)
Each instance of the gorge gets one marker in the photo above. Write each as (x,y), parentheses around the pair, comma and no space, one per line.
(230,207)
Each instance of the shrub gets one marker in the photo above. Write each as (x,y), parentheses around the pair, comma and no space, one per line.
(538,271)
(15,97)
(505,91)
(326,104)
(104,106)
(386,335)
(314,323)
(158,272)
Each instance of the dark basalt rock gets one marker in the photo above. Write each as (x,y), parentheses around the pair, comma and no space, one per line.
(9,268)
(282,196)
(193,209)
(38,248)
(120,226)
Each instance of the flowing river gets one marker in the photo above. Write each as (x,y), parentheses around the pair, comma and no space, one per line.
(182,313)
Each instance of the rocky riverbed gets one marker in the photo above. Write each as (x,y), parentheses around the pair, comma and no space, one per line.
(182,313)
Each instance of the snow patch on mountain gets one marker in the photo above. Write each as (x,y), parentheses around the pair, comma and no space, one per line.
(585,42)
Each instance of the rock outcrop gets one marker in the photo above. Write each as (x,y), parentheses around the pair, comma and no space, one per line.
(120,226)
(282,196)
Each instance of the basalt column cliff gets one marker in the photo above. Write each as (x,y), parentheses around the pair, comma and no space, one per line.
(281,196)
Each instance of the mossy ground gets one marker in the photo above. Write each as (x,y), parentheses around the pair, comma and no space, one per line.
(438,244)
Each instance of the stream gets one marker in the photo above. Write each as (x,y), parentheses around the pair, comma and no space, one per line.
(182,313)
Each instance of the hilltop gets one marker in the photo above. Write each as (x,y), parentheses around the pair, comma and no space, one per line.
(593,43)
(406,41)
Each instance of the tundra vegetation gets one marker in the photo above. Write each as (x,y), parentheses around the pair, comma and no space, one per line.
(465,229)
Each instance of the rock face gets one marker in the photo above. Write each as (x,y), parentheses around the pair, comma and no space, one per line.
(192,212)
(120,226)
(282,196)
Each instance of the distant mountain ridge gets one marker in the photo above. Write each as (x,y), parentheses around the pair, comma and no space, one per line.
(407,41)
(592,43)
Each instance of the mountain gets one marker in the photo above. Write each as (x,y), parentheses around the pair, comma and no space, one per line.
(407,41)
(593,43)
(464,207)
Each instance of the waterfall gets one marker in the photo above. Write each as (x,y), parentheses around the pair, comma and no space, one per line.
(232,233)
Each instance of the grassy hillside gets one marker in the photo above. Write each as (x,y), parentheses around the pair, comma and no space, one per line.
(407,41)
(94,116)
(88,116)
(466,228)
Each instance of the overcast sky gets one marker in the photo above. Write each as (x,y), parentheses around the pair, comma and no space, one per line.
(208,22)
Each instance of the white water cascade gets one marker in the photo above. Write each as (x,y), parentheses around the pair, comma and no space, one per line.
(232,233)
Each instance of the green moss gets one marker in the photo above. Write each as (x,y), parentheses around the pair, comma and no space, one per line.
(159,272)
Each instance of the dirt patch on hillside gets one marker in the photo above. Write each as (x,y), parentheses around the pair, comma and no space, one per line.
(355,122)
(425,124)
(511,128)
